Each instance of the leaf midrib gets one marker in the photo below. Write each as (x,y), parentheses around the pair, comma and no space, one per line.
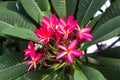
(86,12)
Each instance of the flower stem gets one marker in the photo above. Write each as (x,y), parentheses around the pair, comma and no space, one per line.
(61,65)
(37,46)
(78,61)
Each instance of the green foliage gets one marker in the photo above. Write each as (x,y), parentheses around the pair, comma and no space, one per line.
(20,33)
(87,9)
(15,19)
(18,19)
(11,64)
(33,10)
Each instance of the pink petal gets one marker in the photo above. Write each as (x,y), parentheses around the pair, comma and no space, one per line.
(46,41)
(46,20)
(40,40)
(29,62)
(62,21)
(80,36)
(33,54)
(62,47)
(38,58)
(73,26)
(44,25)
(73,44)
(30,68)
(27,51)
(77,53)
(88,36)
(64,37)
(86,30)
(53,19)
(61,28)
(69,58)
(61,55)
(38,33)
(34,66)
(50,33)
(70,19)
(57,36)
(30,44)
(44,29)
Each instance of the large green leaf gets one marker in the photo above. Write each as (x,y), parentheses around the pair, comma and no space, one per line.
(71,6)
(38,75)
(20,33)
(9,5)
(11,65)
(109,63)
(111,12)
(15,19)
(94,21)
(110,74)
(3,25)
(33,10)
(64,8)
(109,67)
(107,30)
(59,7)
(110,53)
(87,9)
(43,4)
(92,73)
(78,74)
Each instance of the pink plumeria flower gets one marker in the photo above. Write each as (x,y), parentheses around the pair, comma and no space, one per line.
(84,34)
(29,50)
(35,58)
(66,28)
(44,33)
(51,23)
(69,51)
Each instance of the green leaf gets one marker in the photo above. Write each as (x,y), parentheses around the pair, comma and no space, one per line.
(11,65)
(3,25)
(110,53)
(87,9)
(110,74)
(43,4)
(38,75)
(61,74)
(15,19)
(71,6)
(11,5)
(33,9)
(107,62)
(109,67)
(64,8)
(20,33)
(107,30)
(94,21)
(92,73)
(111,12)
(59,7)
(78,74)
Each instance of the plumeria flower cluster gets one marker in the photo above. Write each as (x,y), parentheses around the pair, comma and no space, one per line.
(58,41)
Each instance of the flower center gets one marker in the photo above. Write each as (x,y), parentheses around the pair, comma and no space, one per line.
(68,51)
(66,33)
(81,31)
(45,36)
(33,60)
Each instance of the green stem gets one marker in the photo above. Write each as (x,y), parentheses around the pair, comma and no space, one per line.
(61,65)
(78,61)
(37,46)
